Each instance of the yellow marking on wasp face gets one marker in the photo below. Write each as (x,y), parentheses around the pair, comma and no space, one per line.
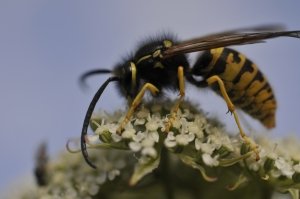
(143,58)
(233,68)
(158,65)
(157,53)
(133,75)
(167,43)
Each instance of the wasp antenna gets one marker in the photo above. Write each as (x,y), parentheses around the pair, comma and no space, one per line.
(84,76)
(295,34)
(88,117)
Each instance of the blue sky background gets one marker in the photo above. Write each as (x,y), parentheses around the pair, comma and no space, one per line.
(46,45)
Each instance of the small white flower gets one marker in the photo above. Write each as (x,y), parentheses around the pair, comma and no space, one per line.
(194,128)
(200,120)
(176,123)
(275,173)
(296,167)
(113,174)
(101,178)
(154,136)
(152,125)
(143,113)
(210,161)
(116,137)
(182,139)
(254,166)
(128,133)
(226,142)
(135,146)
(285,167)
(272,155)
(204,147)
(93,189)
(191,137)
(198,143)
(139,121)
(92,139)
(149,151)
(187,113)
(170,141)
(139,136)
(148,143)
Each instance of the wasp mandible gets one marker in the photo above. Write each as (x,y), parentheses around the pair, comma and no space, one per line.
(161,63)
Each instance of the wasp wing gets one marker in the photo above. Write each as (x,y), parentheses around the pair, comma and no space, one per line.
(251,29)
(225,39)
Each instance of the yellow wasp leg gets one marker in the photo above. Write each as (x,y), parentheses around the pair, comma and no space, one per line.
(137,100)
(180,75)
(231,108)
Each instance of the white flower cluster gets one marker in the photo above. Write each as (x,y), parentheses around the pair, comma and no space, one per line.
(148,126)
(70,179)
(278,158)
(201,143)
(198,142)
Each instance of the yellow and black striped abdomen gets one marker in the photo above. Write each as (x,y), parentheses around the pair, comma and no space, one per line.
(246,86)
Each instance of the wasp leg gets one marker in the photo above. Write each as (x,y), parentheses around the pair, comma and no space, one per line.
(231,108)
(174,110)
(137,100)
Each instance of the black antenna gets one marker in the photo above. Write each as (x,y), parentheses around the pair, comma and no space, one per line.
(84,76)
(88,117)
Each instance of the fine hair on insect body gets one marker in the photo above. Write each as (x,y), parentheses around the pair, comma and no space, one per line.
(161,63)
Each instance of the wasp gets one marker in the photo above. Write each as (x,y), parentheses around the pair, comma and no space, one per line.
(161,63)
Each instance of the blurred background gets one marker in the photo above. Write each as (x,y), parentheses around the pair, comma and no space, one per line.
(46,45)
